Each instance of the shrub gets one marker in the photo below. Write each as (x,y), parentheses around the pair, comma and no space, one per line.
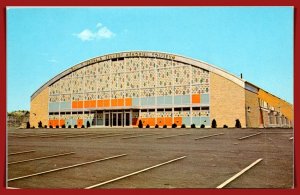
(238,123)
(51,126)
(193,126)
(214,124)
(140,124)
(40,125)
(56,126)
(45,126)
(174,125)
(28,125)
(156,126)
(165,126)
(75,126)
(147,126)
(82,126)
(88,124)
(202,126)
(33,127)
(183,126)
(69,126)
(63,126)
(225,126)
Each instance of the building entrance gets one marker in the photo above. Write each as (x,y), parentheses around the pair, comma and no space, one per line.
(117,118)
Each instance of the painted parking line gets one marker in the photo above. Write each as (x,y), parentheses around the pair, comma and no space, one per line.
(135,136)
(134,173)
(173,135)
(39,158)
(22,152)
(239,173)
(64,168)
(207,136)
(113,135)
(83,135)
(12,188)
(245,137)
(55,135)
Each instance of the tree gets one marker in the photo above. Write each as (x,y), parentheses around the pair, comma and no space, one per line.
(88,124)
(28,125)
(40,125)
(238,123)
(214,124)
(140,124)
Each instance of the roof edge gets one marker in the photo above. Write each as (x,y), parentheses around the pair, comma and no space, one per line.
(153,54)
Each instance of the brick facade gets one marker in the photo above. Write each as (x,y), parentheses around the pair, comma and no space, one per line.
(252,109)
(227,101)
(39,109)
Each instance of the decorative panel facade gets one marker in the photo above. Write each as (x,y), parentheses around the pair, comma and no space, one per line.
(132,83)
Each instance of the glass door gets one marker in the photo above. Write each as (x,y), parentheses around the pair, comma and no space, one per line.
(127,119)
(114,119)
(107,119)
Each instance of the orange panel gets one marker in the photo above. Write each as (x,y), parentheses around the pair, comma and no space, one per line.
(74,104)
(50,122)
(196,98)
(106,103)
(135,121)
(61,122)
(99,103)
(178,121)
(80,104)
(114,102)
(151,121)
(160,121)
(92,103)
(79,123)
(168,121)
(128,102)
(55,122)
(120,102)
(87,104)
(145,121)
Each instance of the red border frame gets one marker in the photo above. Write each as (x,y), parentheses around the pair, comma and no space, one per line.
(4,3)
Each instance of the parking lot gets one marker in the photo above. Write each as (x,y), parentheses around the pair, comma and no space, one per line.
(150,158)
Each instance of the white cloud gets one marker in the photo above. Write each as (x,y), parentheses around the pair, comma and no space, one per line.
(105,33)
(54,61)
(86,35)
(102,33)
(99,24)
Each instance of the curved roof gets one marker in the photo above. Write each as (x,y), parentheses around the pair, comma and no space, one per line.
(151,54)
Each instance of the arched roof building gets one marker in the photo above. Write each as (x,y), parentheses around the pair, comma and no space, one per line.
(120,89)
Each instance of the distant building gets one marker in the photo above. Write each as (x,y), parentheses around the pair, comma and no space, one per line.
(120,89)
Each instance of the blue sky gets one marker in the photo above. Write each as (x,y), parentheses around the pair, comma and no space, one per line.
(255,41)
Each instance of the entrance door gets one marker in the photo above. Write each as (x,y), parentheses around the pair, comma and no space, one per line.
(107,119)
(127,119)
(120,119)
(114,119)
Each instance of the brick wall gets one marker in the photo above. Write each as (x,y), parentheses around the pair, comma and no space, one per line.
(227,101)
(39,109)
(253,114)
